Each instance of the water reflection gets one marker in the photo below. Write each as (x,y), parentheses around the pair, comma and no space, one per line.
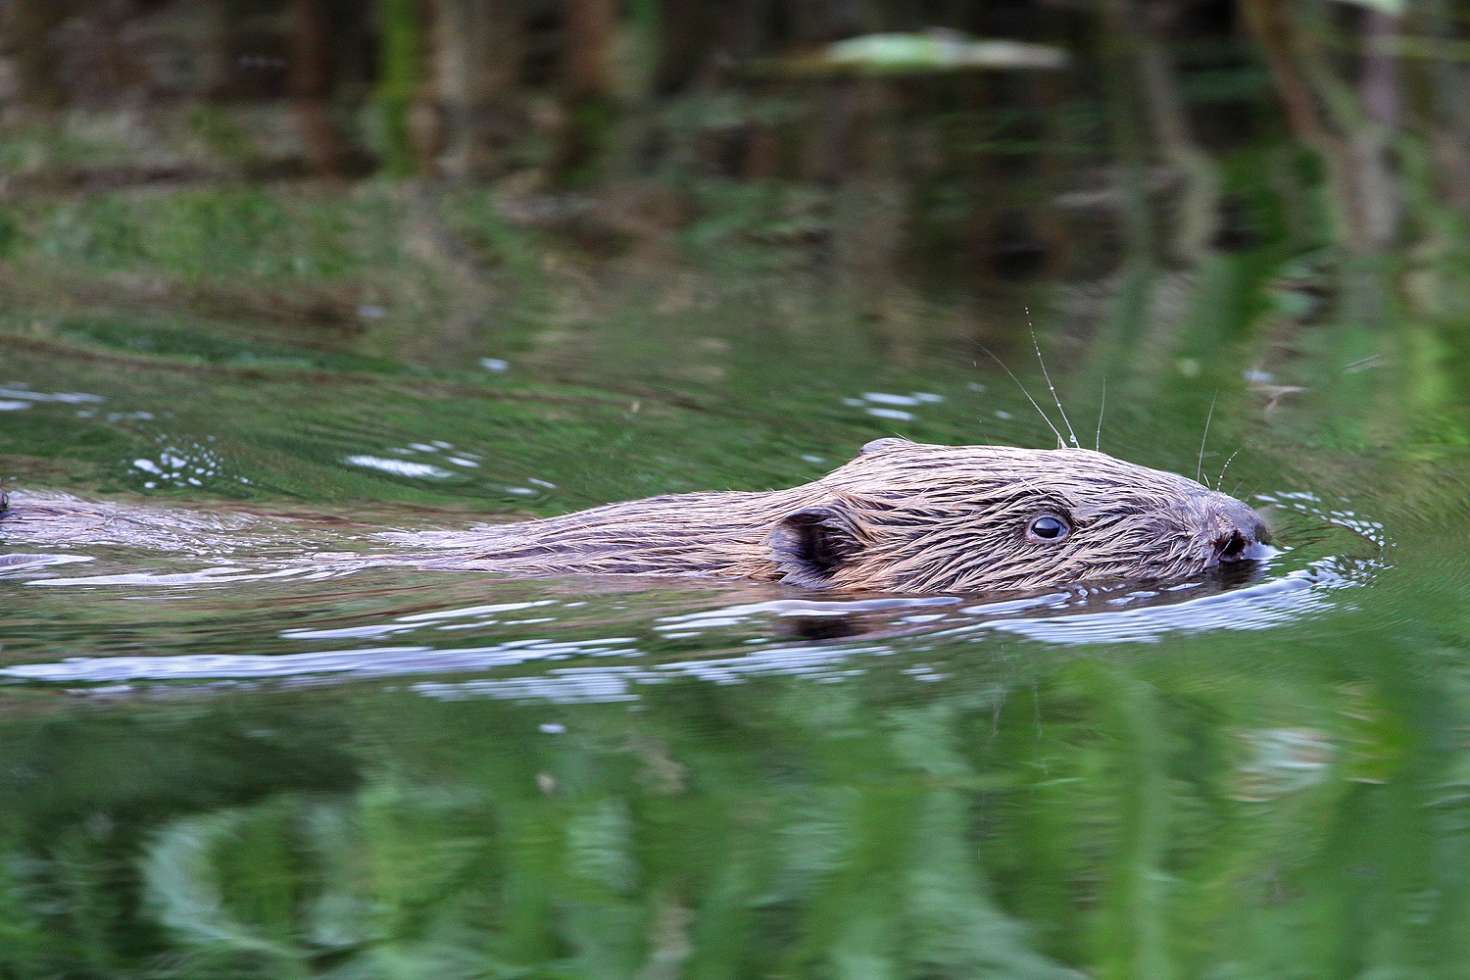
(247,735)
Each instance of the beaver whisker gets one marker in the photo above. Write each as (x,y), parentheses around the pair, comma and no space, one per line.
(1102,404)
(1044,417)
(1200,465)
(1047,375)
(1221,478)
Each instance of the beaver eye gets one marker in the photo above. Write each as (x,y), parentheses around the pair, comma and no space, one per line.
(1048,527)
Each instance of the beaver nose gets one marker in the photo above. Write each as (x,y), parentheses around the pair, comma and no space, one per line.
(1231,547)
(1239,531)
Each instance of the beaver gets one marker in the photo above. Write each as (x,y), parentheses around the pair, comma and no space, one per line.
(904,517)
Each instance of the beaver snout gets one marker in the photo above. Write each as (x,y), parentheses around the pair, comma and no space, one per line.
(1240,533)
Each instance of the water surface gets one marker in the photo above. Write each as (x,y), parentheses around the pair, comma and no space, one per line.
(236,746)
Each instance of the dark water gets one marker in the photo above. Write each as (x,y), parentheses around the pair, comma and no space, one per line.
(226,756)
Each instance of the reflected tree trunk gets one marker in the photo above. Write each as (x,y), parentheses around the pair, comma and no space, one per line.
(1119,56)
(587,82)
(1373,136)
(685,29)
(1352,129)
(30,29)
(588,45)
(1199,206)
(311,87)
(1449,85)
(401,56)
(478,47)
(870,208)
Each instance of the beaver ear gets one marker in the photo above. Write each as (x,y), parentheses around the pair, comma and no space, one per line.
(809,545)
(883,445)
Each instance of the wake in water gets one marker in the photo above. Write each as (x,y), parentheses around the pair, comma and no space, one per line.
(59,520)
(175,545)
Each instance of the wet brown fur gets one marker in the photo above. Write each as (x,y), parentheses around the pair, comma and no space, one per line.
(901,517)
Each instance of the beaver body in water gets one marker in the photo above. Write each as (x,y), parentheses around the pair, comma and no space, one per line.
(904,517)
(900,517)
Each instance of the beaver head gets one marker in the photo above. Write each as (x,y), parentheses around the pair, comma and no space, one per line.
(908,517)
